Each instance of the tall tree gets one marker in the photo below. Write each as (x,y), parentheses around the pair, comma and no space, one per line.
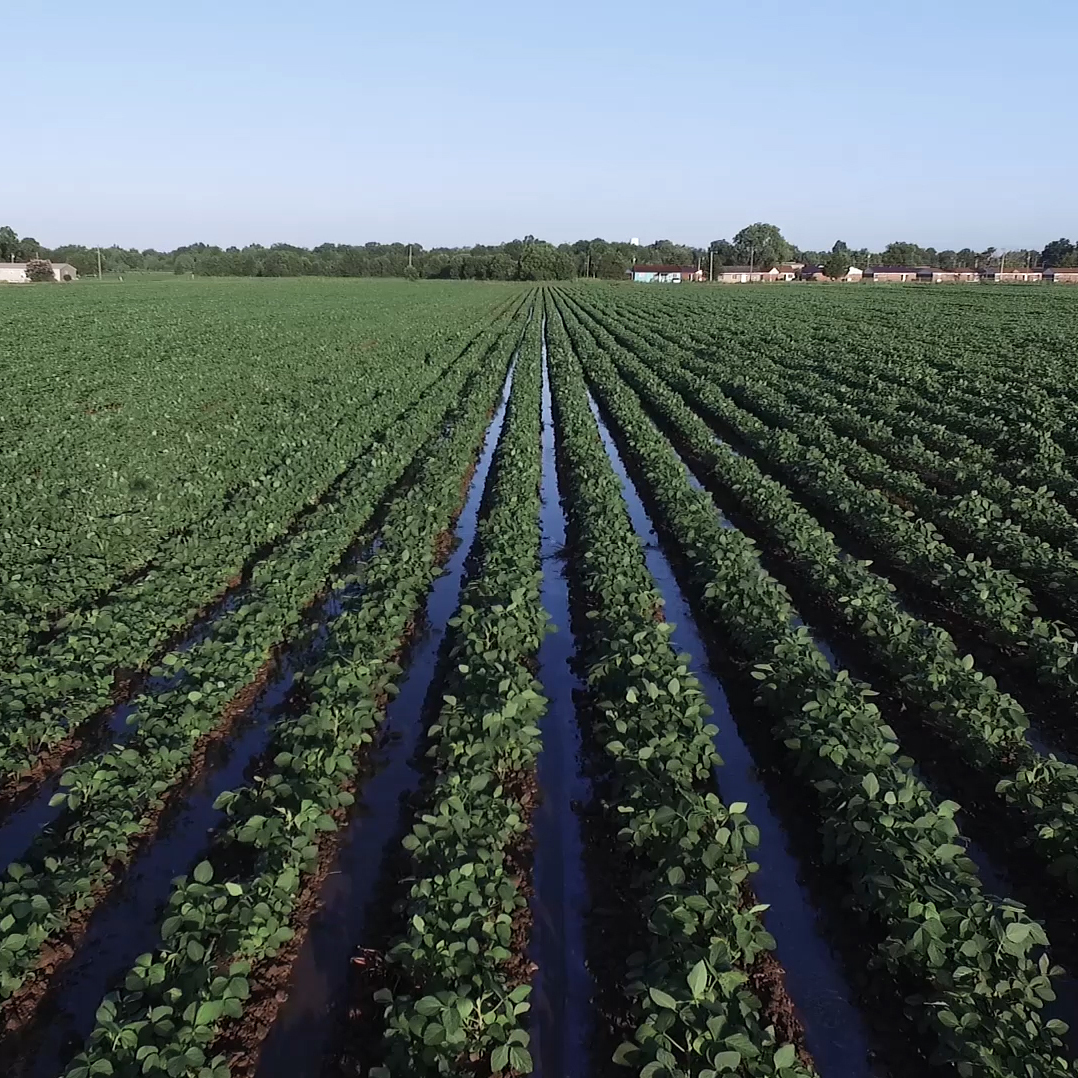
(763,245)
(1059,252)
(9,242)
(724,251)
(837,265)
(903,253)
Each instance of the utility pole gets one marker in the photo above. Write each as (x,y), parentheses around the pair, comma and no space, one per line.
(409,256)
(99,263)
(752,260)
(711,266)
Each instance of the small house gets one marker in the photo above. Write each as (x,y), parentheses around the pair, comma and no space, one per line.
(1064,275)
(957,276)
(666,274)
(816,273)
(737,274)
(898,274)
(1011,276)
(15,272)
(788,271)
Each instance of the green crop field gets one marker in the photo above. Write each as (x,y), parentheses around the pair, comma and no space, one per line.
(445,678)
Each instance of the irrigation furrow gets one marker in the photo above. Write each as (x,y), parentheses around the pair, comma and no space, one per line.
(944,706)
(113,802)
(82,664)
(72,582)
(836,738)
(835,1031)
(244,908)
(660,842)
(562,1017)
(977,593)
(301,1037)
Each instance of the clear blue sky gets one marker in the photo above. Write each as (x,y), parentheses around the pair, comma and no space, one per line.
(945,122)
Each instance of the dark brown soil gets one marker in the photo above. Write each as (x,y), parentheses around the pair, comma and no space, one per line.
(241,1040)
(20,1012)
(767,979)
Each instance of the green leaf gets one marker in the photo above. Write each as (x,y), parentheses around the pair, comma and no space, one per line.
(871,785)
(208,1013)
(1018,932)
(727,1061)
(203,872)
(786,1056)
(948,851)
(520,1059)
(662,999)
(698,979)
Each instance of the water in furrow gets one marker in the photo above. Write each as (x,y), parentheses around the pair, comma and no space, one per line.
(304,1032)
(561,1015)
(835,1029)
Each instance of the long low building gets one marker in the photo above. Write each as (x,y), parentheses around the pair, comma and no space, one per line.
(15,272)
(667,274)
(1012,276)
(897,274)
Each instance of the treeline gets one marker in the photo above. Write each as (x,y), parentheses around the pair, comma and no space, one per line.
(529,259)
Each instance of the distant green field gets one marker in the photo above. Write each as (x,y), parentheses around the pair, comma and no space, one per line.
(292,767)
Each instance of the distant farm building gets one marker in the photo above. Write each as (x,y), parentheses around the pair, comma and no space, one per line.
(787,271)
(893,273)
(956,276)
(792,271)
(738,274)
(816,273)
(1011,276)
(15,272)
(667,274)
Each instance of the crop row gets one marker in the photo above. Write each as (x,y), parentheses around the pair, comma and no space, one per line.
(110,799)
(974,485)
(975,522)
(686,855)
(908,401)
(153,420)
(992,598)
(985,725)
(988,534)
(466,913)
(234,910)
(977,966)
(47,695)
(846,397)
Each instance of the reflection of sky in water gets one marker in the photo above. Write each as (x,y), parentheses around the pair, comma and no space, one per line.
(561,997)
(835,1031)
(297,1043)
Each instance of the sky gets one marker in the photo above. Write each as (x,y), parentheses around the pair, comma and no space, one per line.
(949,123)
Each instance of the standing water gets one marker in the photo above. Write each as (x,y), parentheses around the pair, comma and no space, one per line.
(835,1031)
(561,996)
(302,1035)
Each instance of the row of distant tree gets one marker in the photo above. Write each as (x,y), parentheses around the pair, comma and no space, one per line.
(529,259)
